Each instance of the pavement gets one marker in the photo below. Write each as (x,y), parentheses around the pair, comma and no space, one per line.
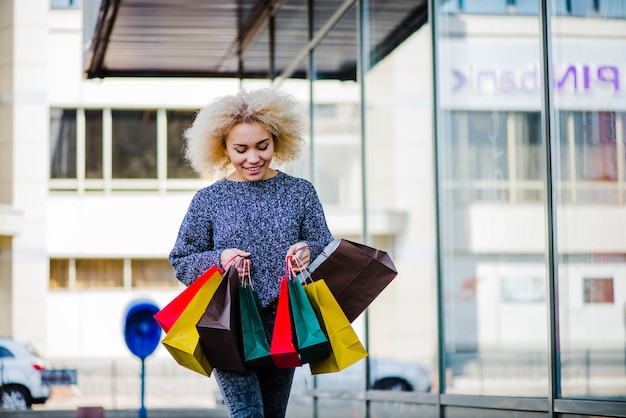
(90,412)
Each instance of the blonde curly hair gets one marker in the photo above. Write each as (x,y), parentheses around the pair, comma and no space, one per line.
(276,111)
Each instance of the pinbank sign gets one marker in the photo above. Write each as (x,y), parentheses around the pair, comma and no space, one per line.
(499,76)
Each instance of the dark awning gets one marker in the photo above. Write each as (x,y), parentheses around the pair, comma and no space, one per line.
(196,38)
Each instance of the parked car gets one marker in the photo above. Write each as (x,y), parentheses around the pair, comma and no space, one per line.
(385,374)
(20,376)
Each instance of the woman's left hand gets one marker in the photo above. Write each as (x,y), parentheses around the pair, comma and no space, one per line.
(301,252)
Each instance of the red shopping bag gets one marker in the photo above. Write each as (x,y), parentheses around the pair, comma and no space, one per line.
(283,350)
(167,316)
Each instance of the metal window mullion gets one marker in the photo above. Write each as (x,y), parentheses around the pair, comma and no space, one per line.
(107,149)
(550,206)
(362,65)
(441,367)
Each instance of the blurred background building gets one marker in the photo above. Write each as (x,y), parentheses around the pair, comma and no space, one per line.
(479,142)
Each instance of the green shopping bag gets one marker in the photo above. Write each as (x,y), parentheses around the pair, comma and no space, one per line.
(312,343)
(254,333)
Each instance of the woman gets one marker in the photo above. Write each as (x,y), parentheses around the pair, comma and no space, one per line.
(256,214)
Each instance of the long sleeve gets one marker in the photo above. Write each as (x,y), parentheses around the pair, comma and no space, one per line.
(194,252)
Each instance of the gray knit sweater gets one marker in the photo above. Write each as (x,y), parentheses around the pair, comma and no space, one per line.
(262,217)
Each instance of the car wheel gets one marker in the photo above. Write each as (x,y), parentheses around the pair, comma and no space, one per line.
(392,383)
(14,398)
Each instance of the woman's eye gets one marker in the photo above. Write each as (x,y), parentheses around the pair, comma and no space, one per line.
(240,150)
(263,148)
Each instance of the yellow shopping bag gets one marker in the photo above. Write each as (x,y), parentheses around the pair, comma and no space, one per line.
(183,340)
(345,347)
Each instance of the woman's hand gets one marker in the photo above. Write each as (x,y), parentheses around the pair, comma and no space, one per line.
(301,254)
(235,257)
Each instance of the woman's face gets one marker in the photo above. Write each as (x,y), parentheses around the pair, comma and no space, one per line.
(250,148)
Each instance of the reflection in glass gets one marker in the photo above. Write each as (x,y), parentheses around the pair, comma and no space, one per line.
(336,161)
(491,206)
(400,204)
(336,121)
(589,119)
(134,144)
(63,143)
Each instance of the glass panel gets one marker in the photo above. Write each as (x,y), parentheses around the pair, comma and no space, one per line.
(340,408)
(589,171)
(291,36)
(337,167)
(59,273)
(93,144)
(134,144)
(336,128)
(460,412)
(400,206)
(153,273)
(177,166)
(492,226)
(65,4)
(256,59)
(63,143)
(93,273)
(403,410)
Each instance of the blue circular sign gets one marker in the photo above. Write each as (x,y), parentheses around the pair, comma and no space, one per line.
(142,333)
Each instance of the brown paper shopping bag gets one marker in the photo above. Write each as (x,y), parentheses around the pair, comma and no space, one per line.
(355,274)
(219,326)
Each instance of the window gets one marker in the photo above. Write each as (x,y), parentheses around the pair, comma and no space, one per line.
(496,156)
(62,143)
(134,144)
(177,122)
(93,144)
(59,273)
(598,291)
(92,273)
(88,273)
(114,149)
(152,273)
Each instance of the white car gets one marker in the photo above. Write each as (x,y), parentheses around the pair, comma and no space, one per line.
(385,374)
(20,376)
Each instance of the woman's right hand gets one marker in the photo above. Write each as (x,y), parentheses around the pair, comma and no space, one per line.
(236,257)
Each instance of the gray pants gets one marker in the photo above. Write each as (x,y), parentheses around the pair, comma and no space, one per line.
(259,393)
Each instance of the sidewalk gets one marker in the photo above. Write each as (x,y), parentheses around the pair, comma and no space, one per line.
(217,412)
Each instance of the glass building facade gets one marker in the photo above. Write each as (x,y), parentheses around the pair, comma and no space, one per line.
(480,143)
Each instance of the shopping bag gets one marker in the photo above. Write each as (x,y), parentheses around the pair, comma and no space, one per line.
(355,274)
(254,333)
(311,342)
(219,326)
(346,349)
(182,340)
(170,312)
(282,347)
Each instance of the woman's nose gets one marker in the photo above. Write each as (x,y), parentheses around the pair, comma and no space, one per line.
(253,156)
